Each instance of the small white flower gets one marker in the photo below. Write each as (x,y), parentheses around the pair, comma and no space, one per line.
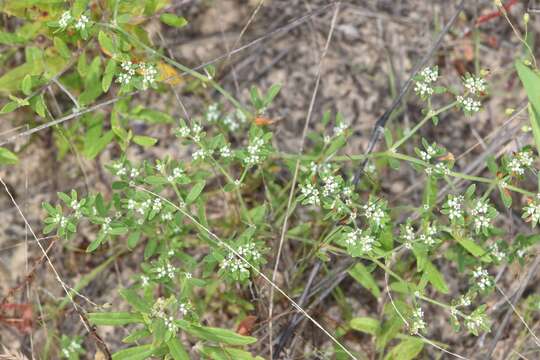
(184,131)
(482,278)
(417,324)
(475,85)
(65,19)
(423,89)
(340,128)
(430,75)
(199,154)
(469,105)
(149,73)
(225,152)
(213,113)
(516,167)
(81,22)
(531,212)
(230,122)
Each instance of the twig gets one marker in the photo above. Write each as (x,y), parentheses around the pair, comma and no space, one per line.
(381,122)
(296,170)
(506,319)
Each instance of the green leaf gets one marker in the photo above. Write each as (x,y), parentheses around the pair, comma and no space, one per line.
(106,43)
(144,141)
(140,352)
(173,20)
(227,353)
(61,47)
(7,157)
(435,277)
(506,197)
(406,350)
(177,350)
(9,107)
(135,300)
(272,93)
(219,335)
(195,192)
(114,318)
(365,324)
(531,83)
(95,243)
(108,76)
(79,6)
(360,273)
(473,248)
(26,85)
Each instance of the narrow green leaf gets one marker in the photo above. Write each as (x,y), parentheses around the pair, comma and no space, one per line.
(365,324)
(7,157)
(140,352)
(106,43)
(195,192)
(360,273)
(114,318)
(177,350)
(144,141)
(219,335)
(173,20)
(435,277)
(9,107)
(61,47)
(531,83)
(26,85)
(406,350)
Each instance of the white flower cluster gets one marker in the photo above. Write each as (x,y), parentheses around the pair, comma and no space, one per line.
(81,22)
(129,69)
(359,238)
(440,168)
(199,154)
(374,212)
(417,324)
(475,323)
(482,279)
(408,236)
(454,204)
(496,252)
(340,128)
(428,238)
(254,152)
(523,160)
(311,194)
(235,265)
(225,152)
(176,174)
(72,349)
(166,270)
(106,226)
(480,213)
(65,19)
(424,87)
(469,104)
(428,154)
(159,311)
(213,113)
(331,185)
(531,212)
(475,85)
(148,72)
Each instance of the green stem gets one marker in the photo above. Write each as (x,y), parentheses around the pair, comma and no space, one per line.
(431,114)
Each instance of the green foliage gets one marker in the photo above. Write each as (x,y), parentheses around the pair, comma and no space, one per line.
(163,211)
